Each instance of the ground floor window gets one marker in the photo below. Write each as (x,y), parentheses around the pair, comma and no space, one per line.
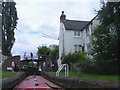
(77,48)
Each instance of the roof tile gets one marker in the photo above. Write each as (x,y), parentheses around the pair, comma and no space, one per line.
(75,25)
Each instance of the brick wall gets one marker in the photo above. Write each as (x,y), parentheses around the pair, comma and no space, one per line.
(23,62)
(8,61)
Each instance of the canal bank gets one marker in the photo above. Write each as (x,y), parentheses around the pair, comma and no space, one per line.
(79,83)
(64,82)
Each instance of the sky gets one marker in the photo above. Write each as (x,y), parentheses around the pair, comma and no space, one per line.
(38,17)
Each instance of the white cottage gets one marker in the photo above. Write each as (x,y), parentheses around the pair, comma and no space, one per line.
(74,35)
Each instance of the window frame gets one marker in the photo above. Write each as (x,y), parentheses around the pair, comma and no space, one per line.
(77,33)
(78,48)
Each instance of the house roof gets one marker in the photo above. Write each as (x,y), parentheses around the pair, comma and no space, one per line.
(75,25)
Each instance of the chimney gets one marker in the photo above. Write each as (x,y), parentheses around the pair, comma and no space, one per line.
(62,17)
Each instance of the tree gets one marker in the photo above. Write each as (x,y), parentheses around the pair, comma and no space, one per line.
(9,23)
(0,27)
(105,39)
(43,50)
(0,33)
(0,7)
(54,55)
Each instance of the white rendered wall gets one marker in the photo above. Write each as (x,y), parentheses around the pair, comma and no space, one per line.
(61,35)
(70,41)
(67,40)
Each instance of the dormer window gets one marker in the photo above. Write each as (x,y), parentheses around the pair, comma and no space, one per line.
(77,33)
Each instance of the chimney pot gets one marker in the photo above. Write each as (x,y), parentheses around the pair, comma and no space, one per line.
(62,17)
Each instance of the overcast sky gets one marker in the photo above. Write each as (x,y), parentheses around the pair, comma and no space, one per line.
(38,16)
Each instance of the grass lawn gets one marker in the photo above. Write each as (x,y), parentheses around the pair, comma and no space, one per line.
(6,74)
(100,77)
(71,74)
(93,76)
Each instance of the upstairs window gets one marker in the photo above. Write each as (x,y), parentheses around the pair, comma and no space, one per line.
(77,33)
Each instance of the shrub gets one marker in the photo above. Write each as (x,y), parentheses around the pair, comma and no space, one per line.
(92,68)
(76,61)
(71,58)
(108,66)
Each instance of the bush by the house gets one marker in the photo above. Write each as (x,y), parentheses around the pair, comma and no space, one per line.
(77,61)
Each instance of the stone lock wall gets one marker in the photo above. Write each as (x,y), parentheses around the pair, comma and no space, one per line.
(78,83)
